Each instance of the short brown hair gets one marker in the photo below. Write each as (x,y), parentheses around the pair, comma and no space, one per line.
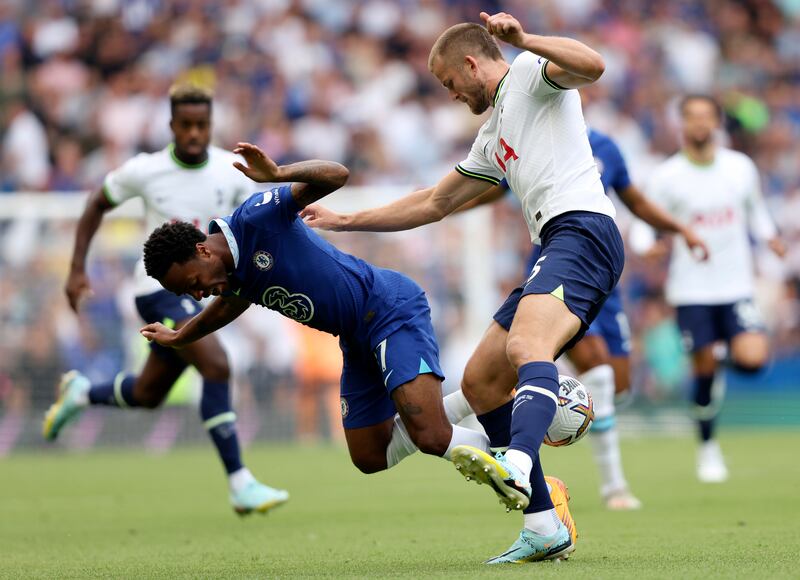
(686,99)
(465,39)
(188,93)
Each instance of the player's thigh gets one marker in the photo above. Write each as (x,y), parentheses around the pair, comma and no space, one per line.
(489,378)
(590,352)
(160,371)
(542,326)
(367,445)
(419,403)
(750,350)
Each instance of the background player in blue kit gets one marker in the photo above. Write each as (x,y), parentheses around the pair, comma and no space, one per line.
(601,357)
(265,254)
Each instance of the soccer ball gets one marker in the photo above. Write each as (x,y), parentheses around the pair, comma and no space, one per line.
(574,413)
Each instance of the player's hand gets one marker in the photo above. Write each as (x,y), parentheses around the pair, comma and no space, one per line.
(155,331)
(504,26)
(697,246)
(777,246)
(259,166)
(322,218)
(77,289)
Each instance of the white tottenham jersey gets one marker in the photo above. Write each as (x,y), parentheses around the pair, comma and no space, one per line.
(537,139)
(722,203)
(174,191)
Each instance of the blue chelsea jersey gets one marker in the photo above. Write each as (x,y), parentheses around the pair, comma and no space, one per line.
(283,265)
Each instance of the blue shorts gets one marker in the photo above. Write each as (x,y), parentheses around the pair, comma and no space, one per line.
(612,326)
(581,262)
(372,371)
(704,324)
(167,308)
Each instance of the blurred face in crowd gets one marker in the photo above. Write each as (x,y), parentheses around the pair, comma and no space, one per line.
(464,81)
(191,126)
(202,276)
(700,119)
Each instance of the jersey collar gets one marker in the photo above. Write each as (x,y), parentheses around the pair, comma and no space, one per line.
(222,226)
(499,86)
(182,164)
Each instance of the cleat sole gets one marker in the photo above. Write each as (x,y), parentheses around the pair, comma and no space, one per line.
(482,469)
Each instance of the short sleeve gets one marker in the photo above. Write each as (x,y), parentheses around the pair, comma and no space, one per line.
(273,209)
(125,182)
(477,165)
(530,72)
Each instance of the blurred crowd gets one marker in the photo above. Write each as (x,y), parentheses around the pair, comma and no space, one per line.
(83,87)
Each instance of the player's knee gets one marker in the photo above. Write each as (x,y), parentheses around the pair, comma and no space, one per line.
(432,441)
(519,351)
(215,369)
(149,399)
(369,463)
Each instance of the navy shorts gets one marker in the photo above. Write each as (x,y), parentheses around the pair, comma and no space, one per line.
(373,369)
(704,324)
(167,308)
(612,326)
(581,262)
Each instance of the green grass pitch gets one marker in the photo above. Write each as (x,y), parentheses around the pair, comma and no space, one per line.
(125,514)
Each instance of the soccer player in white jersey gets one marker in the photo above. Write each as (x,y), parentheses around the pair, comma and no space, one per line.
(716,191)
(191,181)
(536,139)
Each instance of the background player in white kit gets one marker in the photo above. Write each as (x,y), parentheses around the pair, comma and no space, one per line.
(190,181)
(716,191)
(536,139)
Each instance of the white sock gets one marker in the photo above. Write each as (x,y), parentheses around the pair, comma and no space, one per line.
(543,523)
(239,479)
(463,436)
(609,460)
(456,407)
(599,381)
(521,461)
(400,446)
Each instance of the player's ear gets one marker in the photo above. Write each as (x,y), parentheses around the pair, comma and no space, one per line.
(202,250)
(471,64)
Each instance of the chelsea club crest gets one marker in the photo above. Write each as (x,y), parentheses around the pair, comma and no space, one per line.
(263,260)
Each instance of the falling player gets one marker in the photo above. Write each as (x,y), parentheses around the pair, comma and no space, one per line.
(536,139)
(718,192)
(188,180)
(264,254)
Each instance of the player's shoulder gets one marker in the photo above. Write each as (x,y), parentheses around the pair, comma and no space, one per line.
(731,157)
(144,162)
(669,169)
(222,157)
(602,143)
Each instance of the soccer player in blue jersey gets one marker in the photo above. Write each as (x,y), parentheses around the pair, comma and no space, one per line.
(602,355)
(265,254)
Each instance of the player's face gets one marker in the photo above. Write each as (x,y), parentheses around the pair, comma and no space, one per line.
(191,126)
(202,276)
(462,83)
(700,120)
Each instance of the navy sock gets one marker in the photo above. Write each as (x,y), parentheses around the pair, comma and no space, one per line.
(117,393)
(705,412)
(534,406)
(497,424)
(219,420)
(540,496)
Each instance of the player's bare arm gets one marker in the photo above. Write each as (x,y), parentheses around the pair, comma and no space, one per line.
(77,286)
(652,214)
(221,312)
(491,195)
(311,180)
(422,207)
(572,63)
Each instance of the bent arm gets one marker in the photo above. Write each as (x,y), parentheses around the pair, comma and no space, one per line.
(222,311)
(416,209)
(313,180)
(96,206)
(572,63)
